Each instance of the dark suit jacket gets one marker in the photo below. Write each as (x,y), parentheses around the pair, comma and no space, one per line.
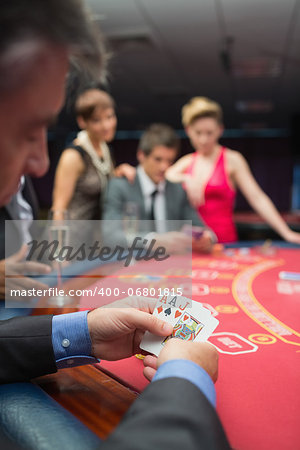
(15,238)
(26,348)
(170,413)
(120,191)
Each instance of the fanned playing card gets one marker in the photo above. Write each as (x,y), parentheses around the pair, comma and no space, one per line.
(190,320)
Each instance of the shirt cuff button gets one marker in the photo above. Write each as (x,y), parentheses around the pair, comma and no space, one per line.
(65,343)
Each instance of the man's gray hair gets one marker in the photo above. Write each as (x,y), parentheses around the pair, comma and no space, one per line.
(65,23)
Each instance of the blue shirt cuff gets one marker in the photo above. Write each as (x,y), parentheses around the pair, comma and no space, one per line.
(71,340)
(183,368)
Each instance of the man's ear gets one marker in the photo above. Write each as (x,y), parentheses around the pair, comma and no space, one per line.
(140,156)
(81,122)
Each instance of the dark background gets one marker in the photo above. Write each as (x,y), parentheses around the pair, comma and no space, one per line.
(243,54)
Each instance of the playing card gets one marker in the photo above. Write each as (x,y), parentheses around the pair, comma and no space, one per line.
(195,232)
(190,320)
(169,308)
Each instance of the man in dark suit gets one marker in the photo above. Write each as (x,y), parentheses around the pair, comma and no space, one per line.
(177,408)
(19,214)
(23,205)
(156,199)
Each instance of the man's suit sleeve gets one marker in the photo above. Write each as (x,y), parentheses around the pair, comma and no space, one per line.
(171,413)
(112,230)
(26,348)
(113,201)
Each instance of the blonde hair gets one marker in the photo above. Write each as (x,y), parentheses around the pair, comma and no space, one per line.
(199,107)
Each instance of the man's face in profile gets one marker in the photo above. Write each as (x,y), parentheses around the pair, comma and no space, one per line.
(25,113)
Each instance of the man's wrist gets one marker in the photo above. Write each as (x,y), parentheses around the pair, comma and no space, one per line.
(190,371)
(71,340)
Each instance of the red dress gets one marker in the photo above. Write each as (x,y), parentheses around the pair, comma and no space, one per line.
(219,196)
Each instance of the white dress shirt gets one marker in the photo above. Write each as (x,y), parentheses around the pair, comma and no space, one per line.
(21,211)
(148,187)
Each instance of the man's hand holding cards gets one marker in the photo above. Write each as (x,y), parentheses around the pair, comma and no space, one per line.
(190,321)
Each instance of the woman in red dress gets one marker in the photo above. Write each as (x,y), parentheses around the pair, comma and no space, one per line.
(212,174)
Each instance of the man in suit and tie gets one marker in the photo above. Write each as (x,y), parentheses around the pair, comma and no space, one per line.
(15,221)
(23,206)
(37,39)
(157,199)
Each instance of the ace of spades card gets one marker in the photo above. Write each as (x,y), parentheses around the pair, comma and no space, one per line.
(191,321)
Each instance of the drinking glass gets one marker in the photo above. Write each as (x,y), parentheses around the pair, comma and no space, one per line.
(59,231)
(130,221)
